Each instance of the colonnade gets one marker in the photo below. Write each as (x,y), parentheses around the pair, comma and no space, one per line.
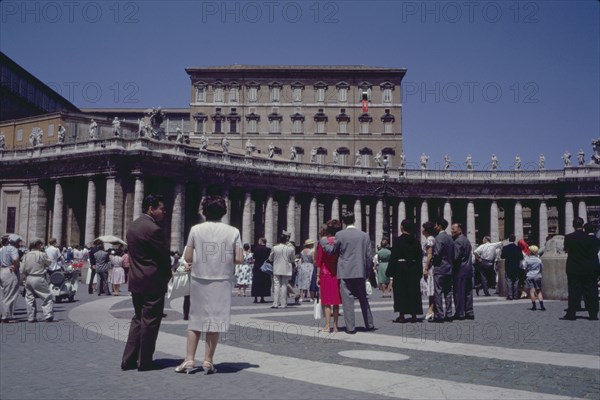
(110,202)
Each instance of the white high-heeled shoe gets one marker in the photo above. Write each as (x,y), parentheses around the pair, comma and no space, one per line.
(186,366)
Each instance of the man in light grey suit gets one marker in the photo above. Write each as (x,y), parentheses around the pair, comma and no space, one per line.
(354,264)
(443,260)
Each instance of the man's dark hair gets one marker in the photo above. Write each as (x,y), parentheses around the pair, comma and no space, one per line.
(441,222)
(408,226)
(589,228)
(214,208)
(578,222)
(283,238)
(348,218)
(246,246)
(151,200)
(512,237)
(262,240)
(460,226)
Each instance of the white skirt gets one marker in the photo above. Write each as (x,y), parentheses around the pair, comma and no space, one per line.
(210,305)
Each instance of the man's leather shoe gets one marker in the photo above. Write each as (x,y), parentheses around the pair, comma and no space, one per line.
(448,319)
(457,318)
(436,320)
(371,329)
(350,332)
(128,367)
(568,318)
(471,317)
(149,367)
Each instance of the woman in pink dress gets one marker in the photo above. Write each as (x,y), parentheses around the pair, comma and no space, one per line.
(327,277)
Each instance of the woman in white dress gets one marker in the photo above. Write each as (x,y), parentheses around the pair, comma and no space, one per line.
(427,286)
(217,248)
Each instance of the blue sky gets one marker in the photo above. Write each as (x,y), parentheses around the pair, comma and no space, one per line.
(484,77)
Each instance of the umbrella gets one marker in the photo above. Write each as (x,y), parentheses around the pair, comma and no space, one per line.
(112,239)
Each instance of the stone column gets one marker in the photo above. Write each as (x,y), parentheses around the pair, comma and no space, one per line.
(291,218)
(138,196)
(90,212)
(23,227)
(569,215)
(225,218)
(424,218)
(335,209)
(518,220)
(378,221)
(448,215)
(471,223)
(247,219)
(582,211)
(57,213)
(113,217)
(543,223)
(177,218)
(313,219)
(401,213)
(494,224)
(358,214)
(269,220)
(38,209)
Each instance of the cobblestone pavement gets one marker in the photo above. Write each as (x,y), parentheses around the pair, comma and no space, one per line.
(507,352)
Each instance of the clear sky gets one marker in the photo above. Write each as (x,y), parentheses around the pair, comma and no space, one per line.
(483,77)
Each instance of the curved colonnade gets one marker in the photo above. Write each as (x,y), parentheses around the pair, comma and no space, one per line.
(77,191)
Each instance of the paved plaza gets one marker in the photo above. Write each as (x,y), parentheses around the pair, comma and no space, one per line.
(507,352)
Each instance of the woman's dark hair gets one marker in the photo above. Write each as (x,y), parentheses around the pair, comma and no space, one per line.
(214,208)
(384,243)
(429,227)
(283,238)
(333,227)
(246,246)
(408,226)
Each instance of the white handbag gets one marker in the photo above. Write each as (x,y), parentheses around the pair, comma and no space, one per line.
(368,288)
(317,310)
(179,285)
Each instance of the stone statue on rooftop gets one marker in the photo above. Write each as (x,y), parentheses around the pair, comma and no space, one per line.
(93,130)
(517,163)
(36,136)
(203,142)
(116,127)
(271,150)
(595,159)
(469,162)
(61,133)
(358,161)
(446,162)
(581,158)
(2,141)
(225,145)
(566,158)
(424,160)
(179,137)
(336,157)
(313,155)
(156,117)
(542,162)
(293,153)
(249,148)
(402,161)
(377,159)
(494,163)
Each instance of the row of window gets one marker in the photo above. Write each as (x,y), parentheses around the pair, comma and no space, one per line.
(320,118)
(320,94)
(27,90)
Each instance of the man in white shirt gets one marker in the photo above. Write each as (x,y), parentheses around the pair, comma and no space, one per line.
(9,276)
(54,254)
(485,259)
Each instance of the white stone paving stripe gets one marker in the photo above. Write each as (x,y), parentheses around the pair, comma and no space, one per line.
(319,373)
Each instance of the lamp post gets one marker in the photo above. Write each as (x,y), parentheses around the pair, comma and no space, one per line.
(386,209)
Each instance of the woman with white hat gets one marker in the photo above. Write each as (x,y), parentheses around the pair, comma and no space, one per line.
(306,269)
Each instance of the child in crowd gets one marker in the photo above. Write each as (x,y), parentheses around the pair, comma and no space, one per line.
(532,264)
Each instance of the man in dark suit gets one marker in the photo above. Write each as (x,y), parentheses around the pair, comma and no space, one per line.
(149,275)
(462,278)
(583,269)
(354,263)
(512,256)
(443,261)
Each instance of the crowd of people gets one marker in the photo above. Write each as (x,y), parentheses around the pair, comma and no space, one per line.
(338,268)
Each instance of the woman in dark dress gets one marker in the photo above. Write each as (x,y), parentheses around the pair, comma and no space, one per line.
(406,269)
(261,282)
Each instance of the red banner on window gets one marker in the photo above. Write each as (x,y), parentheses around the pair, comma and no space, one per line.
(365,106)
